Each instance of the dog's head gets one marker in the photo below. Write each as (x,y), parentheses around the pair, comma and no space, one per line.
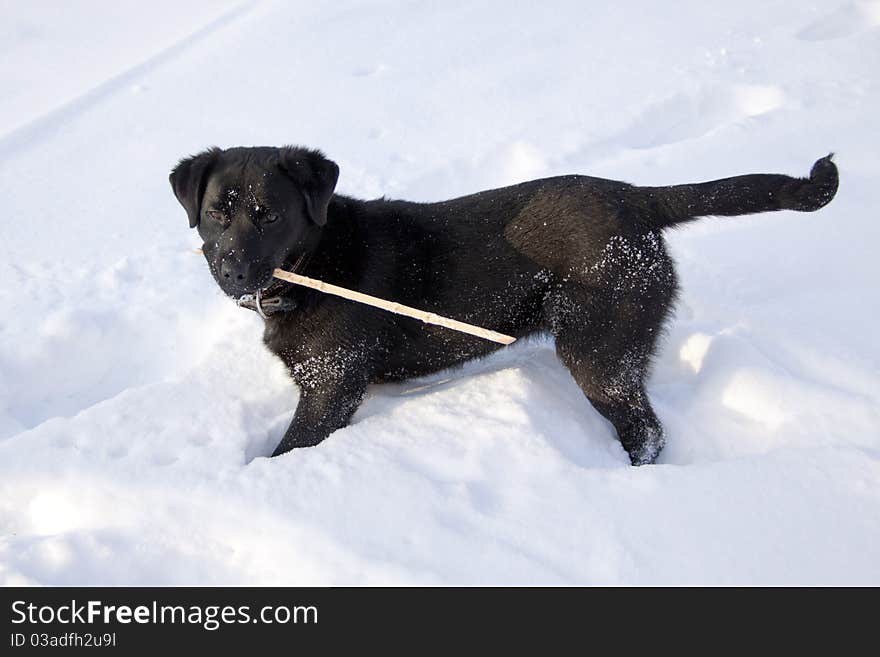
(255,209)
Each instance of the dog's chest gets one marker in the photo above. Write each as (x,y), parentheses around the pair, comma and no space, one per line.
(320,348)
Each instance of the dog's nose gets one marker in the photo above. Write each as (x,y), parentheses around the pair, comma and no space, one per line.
(233,270)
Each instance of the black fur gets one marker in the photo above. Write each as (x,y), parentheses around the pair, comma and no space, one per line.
(581,258)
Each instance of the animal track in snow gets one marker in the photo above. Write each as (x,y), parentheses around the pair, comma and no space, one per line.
(685,116)
(848,19)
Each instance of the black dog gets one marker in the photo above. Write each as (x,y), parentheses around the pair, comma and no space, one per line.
(581,258)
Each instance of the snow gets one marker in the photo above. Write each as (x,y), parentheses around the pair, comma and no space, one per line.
(137,404)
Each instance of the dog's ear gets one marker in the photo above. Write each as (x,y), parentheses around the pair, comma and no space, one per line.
(188,181)
(314,175)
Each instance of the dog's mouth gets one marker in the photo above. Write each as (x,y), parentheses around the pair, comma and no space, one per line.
(269,298)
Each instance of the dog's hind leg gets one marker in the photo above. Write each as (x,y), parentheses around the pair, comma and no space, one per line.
(615,385)
(627,408)
(607,343)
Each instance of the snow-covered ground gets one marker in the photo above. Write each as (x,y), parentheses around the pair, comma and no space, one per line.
(137,404)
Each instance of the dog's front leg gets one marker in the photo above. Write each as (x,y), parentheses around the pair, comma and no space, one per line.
(322,410)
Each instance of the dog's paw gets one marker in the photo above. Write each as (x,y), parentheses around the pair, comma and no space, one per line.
(646,450)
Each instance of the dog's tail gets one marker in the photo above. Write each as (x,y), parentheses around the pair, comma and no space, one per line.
(758,192)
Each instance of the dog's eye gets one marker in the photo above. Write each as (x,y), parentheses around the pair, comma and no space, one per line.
(216,216)
(271,218)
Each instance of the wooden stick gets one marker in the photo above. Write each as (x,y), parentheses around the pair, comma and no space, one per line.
(393,307)
(390,306)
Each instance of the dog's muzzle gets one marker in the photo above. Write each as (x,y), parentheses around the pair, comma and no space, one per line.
(273,304)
